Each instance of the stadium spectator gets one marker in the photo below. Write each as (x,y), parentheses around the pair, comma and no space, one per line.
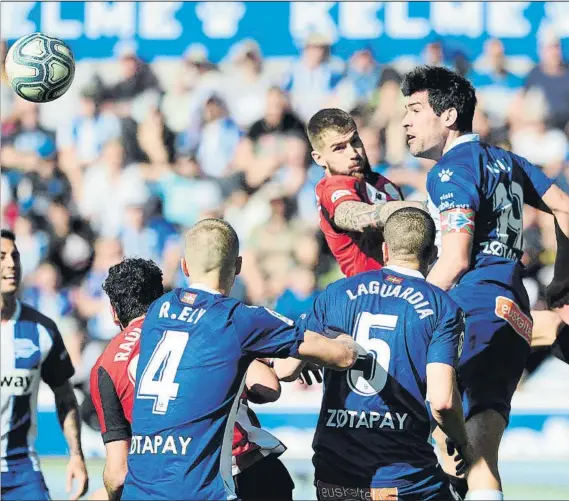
(117,181)
(496,86)
(551,76)
(82,139)
(136,75)
(218,139)
(313,78)
(246,84)
(71,241)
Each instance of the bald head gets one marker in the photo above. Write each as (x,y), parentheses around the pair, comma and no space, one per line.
(409,235)
(211,246)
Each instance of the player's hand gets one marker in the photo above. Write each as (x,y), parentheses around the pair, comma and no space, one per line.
(463,458)
(77,470)
(349,343)
(310,371)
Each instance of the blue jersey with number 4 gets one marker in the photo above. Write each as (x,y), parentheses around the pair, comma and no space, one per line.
(195,348)
(485,187)
(373,428)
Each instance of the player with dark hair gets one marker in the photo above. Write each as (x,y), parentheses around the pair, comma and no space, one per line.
(132,286)
(372,436)
(195,348)
(476,197)
(352,199)
(32,349)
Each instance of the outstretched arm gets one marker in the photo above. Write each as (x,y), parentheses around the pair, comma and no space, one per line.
(361,216)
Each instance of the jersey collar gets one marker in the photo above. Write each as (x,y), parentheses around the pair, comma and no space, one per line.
(203,287)
(404,271)
(465,138)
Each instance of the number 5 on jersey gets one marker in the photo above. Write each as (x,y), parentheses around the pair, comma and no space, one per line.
(157,380)
(371,379)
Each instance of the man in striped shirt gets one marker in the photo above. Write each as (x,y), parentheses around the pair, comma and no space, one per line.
(32,349)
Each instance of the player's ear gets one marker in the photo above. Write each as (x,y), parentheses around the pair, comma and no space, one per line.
(433,254)
(385,252)
(238,264)
(184,267)
(450,117)
(317,157)
(115,316)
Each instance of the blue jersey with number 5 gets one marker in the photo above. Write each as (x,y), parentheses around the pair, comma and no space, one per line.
(484,186)
(373,428)
(195,348)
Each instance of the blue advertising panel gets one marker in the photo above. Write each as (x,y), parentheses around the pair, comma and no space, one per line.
(391,29)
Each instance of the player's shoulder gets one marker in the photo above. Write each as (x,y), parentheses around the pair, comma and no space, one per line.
(29,314)
(336,182)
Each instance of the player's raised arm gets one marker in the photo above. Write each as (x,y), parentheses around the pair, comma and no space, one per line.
(361,216)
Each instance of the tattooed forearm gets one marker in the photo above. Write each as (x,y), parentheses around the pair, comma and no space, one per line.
(68,414)
(357,216)
(361,216)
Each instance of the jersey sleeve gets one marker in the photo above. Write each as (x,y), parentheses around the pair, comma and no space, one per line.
(453,188)
(536,183)
(263,332)
(446,344)
(57,368)
(114,424)
(335,190)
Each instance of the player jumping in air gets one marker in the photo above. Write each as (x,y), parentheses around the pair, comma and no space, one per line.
(32,349)
(132,286)
(195,347)
(476,197)
(352,199)
(371,441)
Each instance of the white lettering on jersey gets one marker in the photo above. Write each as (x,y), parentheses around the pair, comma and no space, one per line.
(341,418)
(144,444)
(416,299)
(339,194)
(18,381)
(130,340)
(164,310)
(188,314)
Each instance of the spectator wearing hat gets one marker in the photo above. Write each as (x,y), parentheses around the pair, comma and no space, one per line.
(313,78)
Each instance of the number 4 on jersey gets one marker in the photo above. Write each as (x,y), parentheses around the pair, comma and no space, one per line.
(157,380)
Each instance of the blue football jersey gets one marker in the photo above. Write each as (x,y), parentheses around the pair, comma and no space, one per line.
(195,348)
(494,184)
(373,429)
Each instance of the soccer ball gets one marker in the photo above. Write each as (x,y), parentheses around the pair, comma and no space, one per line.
(40,68)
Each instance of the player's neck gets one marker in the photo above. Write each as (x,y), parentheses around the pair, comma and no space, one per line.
(213,281)
(8,306)
(410,265)
(452,137)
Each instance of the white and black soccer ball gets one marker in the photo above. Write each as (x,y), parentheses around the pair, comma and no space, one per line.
(40,68)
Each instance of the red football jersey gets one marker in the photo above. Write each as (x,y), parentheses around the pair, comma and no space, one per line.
(354,251)
(112,383)
(112,390)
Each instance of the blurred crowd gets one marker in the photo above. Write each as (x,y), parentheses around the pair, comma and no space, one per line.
(139,161)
